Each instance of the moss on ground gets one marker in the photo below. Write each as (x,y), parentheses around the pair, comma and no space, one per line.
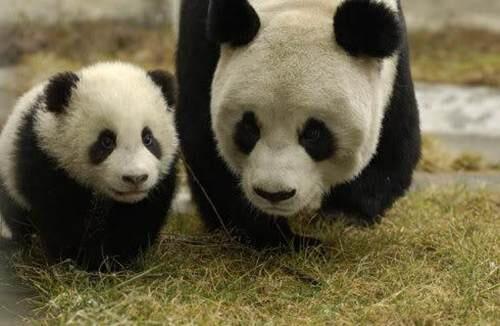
(435,259)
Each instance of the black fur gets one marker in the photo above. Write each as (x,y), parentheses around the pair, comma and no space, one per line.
(232,21)
(154,146)
(71,221)
(58,91)
(217,191)
(247,133)
(103,147)
(166,82)
(367,28)
(317,140)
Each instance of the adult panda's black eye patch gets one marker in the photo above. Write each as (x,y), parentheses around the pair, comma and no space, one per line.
(317,140)
(151,143)
(103,147)
(247,133)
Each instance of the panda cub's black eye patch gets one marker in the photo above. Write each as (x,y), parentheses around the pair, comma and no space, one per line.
(151,143)
(103,147)
(247,133)
(317,140)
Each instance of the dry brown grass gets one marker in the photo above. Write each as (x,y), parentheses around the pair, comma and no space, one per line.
(437,158)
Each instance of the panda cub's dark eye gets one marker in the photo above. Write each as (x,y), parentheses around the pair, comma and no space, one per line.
(151,143)
(317,140)
(102,148)
(107,140)
(247,133)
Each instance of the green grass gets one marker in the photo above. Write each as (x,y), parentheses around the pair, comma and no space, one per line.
(434,260)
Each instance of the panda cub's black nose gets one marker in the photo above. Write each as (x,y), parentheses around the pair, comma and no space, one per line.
(275,197)
(135,180)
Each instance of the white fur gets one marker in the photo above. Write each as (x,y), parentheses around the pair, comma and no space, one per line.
(116,96)
(291,72)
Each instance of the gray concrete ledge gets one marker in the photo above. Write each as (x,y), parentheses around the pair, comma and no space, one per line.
(490,181)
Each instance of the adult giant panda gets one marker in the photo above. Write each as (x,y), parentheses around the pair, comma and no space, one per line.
(87,161)
(289,106)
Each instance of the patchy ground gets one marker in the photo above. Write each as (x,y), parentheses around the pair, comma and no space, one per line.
(450,56)
(434,260)
(457,56)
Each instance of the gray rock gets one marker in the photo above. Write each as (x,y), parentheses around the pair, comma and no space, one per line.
(465,119)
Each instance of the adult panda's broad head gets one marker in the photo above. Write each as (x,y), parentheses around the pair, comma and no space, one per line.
(110,127)
(299,93)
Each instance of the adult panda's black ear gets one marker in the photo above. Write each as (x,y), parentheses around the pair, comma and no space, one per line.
(368,28)
(167,83)
(59,90)
(232,21)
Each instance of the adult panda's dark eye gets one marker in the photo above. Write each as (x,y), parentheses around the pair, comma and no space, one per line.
(107,140)
(247,133)
(311,135)
(317,140)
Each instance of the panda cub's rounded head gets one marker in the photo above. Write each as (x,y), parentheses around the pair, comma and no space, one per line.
(299,93)
(110,127)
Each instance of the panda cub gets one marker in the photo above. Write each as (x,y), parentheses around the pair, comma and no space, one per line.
(87,161)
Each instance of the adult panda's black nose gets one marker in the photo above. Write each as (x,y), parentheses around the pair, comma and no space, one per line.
(135,180)
(275,197)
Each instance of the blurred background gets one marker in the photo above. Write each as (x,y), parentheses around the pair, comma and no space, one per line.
(455,48)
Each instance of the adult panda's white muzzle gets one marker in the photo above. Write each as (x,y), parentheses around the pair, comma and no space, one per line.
(282,181)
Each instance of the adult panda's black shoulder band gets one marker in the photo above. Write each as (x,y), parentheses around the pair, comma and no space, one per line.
(367,28)
(58,91)
(232,21)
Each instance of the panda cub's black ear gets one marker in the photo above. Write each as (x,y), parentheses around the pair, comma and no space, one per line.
(59,90)
(232,21)
(368,28)
(167,83)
